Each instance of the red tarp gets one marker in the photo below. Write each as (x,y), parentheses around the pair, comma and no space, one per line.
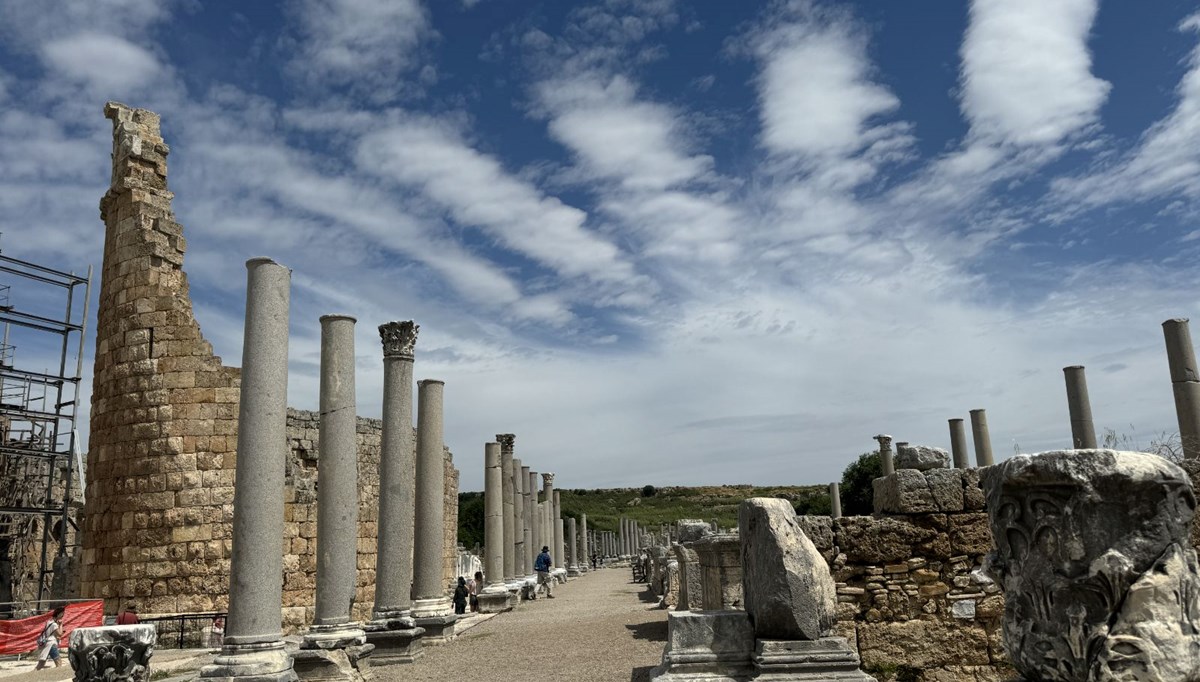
(20,636)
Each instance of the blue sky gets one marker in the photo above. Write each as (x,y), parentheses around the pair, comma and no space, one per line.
(662,242)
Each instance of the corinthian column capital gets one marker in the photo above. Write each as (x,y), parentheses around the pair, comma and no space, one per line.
(399,339)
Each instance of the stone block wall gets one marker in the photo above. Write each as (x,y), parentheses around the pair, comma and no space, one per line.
(450,524)
(162,452)
(910,594)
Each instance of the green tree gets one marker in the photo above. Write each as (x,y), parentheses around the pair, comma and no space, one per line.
(814,505)
(649,491)
(858,494)
(470,519)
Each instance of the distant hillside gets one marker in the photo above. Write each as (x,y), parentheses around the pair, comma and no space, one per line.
(605,506)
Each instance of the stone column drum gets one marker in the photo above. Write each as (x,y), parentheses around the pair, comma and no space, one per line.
(1079,406)
(983,440)
(338,641)
(518,485)
(835,500)
(535,531)
(1185,385)
(391,629)
(509,512)
(885,455)
(253,644)
(494,597)
(548,532)
(432,609)
(572,549)
(958,444)
(526,524)
(585,562)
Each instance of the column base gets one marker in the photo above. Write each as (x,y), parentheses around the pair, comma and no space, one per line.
(394,645)
(342,664)
(573,572)
(330,637)
(397,619)
(438,629)
(429,608)
(496,600)
(251,662)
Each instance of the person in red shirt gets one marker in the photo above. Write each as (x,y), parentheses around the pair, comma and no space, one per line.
(128,616)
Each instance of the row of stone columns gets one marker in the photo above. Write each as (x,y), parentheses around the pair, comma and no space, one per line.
(410,538)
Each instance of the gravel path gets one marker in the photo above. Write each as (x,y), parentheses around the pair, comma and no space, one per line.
(599,627)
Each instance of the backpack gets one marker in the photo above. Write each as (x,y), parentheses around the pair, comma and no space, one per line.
(44,637)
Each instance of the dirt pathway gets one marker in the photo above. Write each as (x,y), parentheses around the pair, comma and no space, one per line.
(599,627)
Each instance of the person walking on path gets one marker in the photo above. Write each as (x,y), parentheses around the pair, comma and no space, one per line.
(48,640)
(128,616)
(542,566)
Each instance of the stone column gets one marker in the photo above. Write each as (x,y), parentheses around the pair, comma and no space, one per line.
(518,522)
(560,534)
(983,441)
(621,536)
(505,443)
(432,610)
(958,444)
(885,454)
(494,597)
(548,518)
(526,488)
(253,643)
(535,515)
(1185,384)
(392,630)
(1083,431)
(337,492)
(572,549)
(586,564)
(835,500)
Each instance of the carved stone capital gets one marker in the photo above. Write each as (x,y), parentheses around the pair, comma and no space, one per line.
(885,442)
(548,479)
(506,441)
(399,339)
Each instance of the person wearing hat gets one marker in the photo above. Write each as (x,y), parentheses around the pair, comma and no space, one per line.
(542,566)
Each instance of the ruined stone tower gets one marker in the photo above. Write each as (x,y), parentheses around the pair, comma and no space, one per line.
(164,408)
(162,450)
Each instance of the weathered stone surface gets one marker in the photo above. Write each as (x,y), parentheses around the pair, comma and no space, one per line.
(708,645)
(691,587)
(904,492)
(973,497)
(946,488)
(922,644)
(691,530)
(868,540)
(1092,552)
(970,534)
(721,571)
(819,529)
(115,653)
(922,457)
(787,589)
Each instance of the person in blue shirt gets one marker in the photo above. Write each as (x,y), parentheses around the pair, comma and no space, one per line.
(542,565)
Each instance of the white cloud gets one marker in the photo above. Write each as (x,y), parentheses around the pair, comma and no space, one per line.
(478,191)
(1166,160)
(1026,70)
(365,46)
(107,64)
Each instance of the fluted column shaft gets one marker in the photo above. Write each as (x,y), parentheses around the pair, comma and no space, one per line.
(397,474)
(428,549)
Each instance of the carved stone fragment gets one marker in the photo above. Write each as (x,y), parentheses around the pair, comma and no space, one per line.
(116,653)
(922,457)
(1092,553)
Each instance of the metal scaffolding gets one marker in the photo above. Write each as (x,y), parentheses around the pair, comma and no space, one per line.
(40,460)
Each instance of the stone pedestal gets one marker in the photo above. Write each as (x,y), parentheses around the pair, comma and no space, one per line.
(396,642)
(439,629)
(709,646)
(334,664)
(720,558)
(116,653)
(253,644)
(823,660)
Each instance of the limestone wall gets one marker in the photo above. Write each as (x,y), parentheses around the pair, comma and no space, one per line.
(910,597)
(161,459)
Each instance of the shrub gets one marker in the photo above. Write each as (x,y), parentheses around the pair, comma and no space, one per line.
(649,491)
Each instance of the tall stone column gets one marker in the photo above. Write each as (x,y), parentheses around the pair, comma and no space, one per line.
(560,535)
(432,610)
(337,494)
(885,454)
(253,643)
(572,549)
(527,489)
(548,517)
(621,536)
(835,500)
(983,440)
(518,484)
(1083,431)
(392,630)
(1185,384)
(958,444)
(494,597)
(505,442)
(535,528)
(584,551)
